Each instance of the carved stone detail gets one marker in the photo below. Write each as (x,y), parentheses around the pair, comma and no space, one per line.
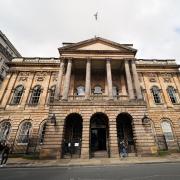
(152,80)
(23,78)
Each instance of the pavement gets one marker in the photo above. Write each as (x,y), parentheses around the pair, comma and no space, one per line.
(23,162)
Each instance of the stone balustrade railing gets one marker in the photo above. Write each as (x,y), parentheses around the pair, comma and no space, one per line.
(97,97)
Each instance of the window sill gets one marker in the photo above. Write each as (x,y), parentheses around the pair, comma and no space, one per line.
(176,104)
(159,103)
(14,104)
(22,144)
(32,105)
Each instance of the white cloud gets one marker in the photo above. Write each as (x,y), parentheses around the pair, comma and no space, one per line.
(38,27)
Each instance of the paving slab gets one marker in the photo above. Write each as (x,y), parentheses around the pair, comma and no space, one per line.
(22,162)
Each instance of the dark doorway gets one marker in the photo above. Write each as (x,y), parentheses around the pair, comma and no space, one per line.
(72,136)
(99,135)
(98,139)
(125,132)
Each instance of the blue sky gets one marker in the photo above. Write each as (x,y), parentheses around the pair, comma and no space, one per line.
(38,27)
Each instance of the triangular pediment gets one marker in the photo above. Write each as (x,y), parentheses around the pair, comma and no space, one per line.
(98,44)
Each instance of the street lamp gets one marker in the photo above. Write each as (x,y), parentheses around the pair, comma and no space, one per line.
(145,119)
(53,119)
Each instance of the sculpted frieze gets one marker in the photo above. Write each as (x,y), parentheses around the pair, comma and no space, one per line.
(152,80)
(23,78)
(40,78)
(167,80)
(54,76)
(24,73)
(42,73)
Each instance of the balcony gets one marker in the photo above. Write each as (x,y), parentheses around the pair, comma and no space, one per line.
(97,98)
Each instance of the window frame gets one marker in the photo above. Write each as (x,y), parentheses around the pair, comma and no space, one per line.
(157,94)
(20,135)
(100,93)
(42,130)
(78,89)
(14,95)
(34,100)
(52,91)
(172,132)
(9,130)
(171,91)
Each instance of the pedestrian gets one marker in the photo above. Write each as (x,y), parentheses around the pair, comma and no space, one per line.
(4,154)
(123,151)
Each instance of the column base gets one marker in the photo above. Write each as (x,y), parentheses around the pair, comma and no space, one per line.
(50,154)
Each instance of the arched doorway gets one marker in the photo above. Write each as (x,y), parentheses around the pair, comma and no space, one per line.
(99,134)
(125,132)
(72,136)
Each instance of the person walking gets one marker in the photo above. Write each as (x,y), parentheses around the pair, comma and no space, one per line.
(123,151)
(4,154)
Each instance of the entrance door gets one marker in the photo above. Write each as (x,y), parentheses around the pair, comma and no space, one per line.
(124,132)
(98,139)
(72,136)
(99,135)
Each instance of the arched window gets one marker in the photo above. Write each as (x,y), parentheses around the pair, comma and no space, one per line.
(42,133)
(17,94)
(172,94)
(97,90)
(52,93)
(36,92)
(156,94)
(5,127)
(24,132)
(80,91)
(167,130)
(115,91)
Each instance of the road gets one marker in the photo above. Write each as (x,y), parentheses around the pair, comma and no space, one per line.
(169,171)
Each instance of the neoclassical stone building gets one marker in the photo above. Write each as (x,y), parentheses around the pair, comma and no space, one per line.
(84,103)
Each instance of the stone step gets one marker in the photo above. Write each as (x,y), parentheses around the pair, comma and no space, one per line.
(100,154)
(131,154)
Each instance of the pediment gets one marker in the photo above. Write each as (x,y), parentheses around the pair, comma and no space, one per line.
(98,44)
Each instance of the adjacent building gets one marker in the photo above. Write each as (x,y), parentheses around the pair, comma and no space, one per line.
(7,53)
(88,101)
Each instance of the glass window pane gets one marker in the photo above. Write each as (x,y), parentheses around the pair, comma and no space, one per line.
(167,130)
(97,90)
(24,132)
(4,130)
(17,95)
(80,91)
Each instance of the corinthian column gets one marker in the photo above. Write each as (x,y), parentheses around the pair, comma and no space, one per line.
(67,80)
(88,79)
(58,88)
(136,80)
(129,81)
(109,78)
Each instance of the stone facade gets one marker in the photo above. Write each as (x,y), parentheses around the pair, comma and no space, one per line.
(102,95)
(7,53)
